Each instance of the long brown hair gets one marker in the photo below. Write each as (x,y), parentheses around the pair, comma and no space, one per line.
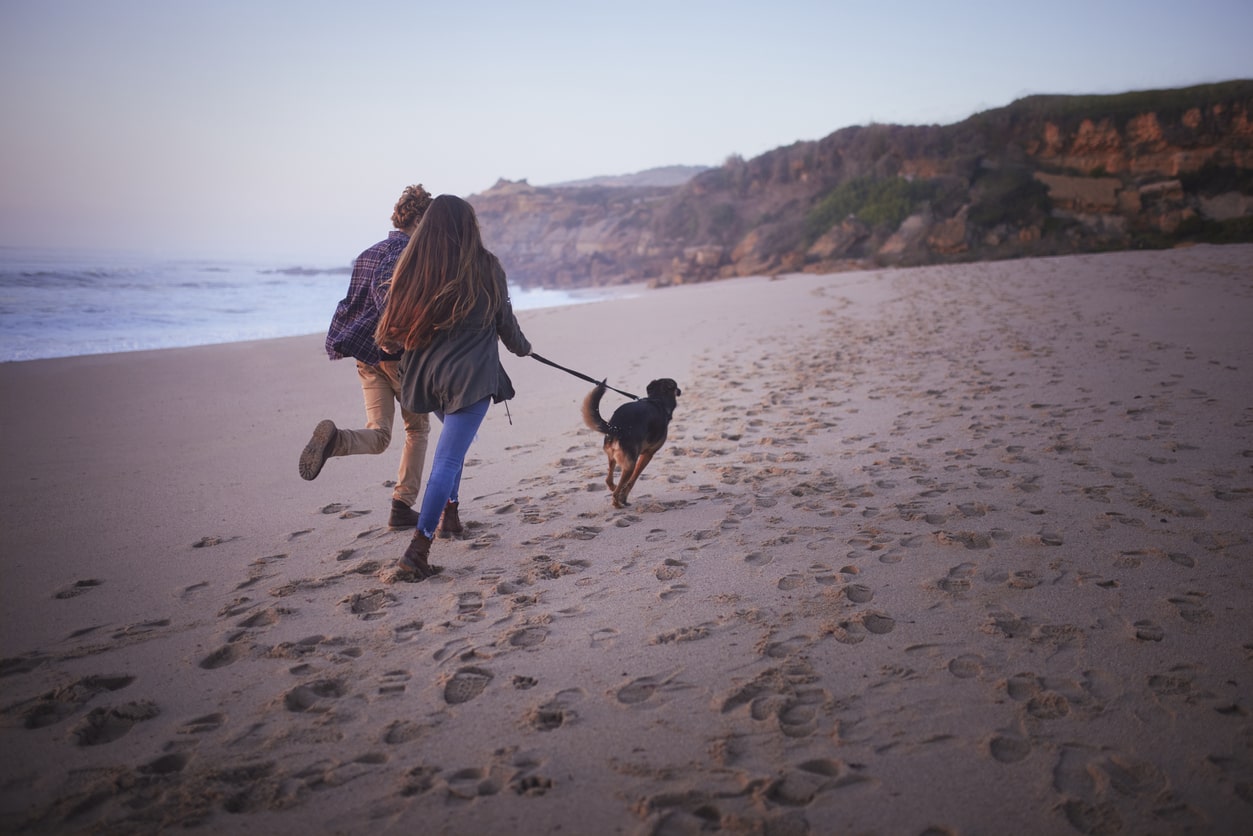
(443,275)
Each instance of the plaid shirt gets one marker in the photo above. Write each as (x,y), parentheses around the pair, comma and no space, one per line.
(352,328)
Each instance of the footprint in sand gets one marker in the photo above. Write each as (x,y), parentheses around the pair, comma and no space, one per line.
(54,706)
(239,606)
(1051,538)
(547,569)
(311,697)
(225,655)
(604,637)
(1007,624)
(684,634)
(670,570)
(189,592)
(419,780)
(877,622)
(465,685)
(77,588)
(846,631)
(407,631)
(457,648)
(472,782)
(1009,748)
(532,636)
(105,725)
(1178,681)
(787,647)
(582,532)
(557,712)
(144,628)
(210,540)
(792,581)
(957,581)
(367,567)
(265,618)
(638,690)
(1023,579)
(370,604)
(969,539)
(393,682)
(166,764)
(1048,705)
(967,666)
(799,786)
(203,725)
(402,731)
(858,593)
(1183,560)
(1191,609)
(532,785)
(1023,686)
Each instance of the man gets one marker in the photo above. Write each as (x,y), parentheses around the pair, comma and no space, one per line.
(352,335)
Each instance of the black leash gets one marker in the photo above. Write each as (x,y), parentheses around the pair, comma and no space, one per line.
(548,362)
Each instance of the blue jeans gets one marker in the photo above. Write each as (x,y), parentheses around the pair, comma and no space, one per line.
(444,482)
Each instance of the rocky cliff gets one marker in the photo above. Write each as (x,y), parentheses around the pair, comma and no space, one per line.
(1045,175)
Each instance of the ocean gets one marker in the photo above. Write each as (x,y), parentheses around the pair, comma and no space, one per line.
(55,303)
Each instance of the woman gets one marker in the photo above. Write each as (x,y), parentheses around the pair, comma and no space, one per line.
(446,307)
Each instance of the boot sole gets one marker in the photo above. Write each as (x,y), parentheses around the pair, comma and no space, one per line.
(317,451)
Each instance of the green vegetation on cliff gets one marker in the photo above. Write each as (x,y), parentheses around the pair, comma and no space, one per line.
(877,203)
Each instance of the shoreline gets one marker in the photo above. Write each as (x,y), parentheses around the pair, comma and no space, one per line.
(963,548)
(240,326)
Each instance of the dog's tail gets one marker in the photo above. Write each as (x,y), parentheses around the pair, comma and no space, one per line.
(591,409)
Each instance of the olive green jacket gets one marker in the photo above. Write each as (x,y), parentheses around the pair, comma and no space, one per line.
(462,366)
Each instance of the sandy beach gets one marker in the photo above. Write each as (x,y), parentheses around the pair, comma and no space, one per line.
(946,550)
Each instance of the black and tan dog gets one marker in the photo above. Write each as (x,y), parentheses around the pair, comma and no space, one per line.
(635,432)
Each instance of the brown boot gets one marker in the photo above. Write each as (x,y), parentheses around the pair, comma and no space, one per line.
(450,522)
(318,450)
(402,516)
(414,561)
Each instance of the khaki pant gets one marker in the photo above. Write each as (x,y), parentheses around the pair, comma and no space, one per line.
(380,386)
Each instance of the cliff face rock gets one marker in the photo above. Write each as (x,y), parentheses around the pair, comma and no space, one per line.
(571,236)
(1045,175)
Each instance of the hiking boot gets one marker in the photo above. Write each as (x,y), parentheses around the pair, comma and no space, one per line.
(414,562)
(318,450)
(450,521)
(402,516)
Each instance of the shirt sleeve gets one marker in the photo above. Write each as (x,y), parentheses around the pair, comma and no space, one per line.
(507,327)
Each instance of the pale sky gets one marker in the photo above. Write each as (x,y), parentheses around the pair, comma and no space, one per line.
(286,130)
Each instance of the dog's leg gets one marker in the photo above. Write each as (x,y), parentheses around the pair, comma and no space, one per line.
(609,478)
(629,468)
(625,484)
